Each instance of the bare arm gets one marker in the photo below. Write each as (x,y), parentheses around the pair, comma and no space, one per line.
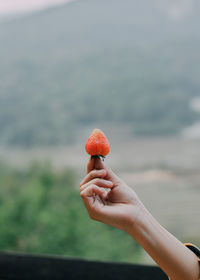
(175,259)
(120,207)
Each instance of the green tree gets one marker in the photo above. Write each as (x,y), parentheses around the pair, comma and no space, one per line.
(41,212)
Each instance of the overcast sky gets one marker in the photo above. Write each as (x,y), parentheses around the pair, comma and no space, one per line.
(15,6)
(175,9)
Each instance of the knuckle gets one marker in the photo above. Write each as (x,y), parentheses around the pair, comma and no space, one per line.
(93,186)
(82,187)
(92,173)
(81,194)
(96,181)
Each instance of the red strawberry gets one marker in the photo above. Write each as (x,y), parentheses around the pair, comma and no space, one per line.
(97,144)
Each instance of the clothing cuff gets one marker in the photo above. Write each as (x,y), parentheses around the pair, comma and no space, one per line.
(195,250)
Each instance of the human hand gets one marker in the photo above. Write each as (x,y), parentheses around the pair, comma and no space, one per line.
(119,206)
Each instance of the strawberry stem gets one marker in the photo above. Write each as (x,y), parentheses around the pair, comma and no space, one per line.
(99,156)
(102,158)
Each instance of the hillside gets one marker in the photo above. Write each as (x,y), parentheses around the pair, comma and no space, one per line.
(91,62)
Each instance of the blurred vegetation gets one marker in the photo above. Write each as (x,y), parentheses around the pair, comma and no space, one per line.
(89,62)
(41,212)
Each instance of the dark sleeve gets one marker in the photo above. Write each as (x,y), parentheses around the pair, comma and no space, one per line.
(194,249)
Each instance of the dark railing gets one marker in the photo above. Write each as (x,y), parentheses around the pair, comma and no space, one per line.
(25,267)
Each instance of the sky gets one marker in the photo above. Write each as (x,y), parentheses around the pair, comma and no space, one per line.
(8,7)
(174,9)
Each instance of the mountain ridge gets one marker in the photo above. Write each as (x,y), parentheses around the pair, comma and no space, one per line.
(96,62)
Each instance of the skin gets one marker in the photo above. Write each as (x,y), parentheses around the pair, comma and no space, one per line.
(120,207)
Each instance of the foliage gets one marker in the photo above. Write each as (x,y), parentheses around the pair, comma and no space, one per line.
(41,212)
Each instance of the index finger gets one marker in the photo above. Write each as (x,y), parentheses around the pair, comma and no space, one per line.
(90,165)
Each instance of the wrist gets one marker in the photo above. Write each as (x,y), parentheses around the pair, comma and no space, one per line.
(137,221)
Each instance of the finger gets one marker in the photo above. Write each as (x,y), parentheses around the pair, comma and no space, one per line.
(112,176)
(93,174)
(91,197)
(92,190)
(90,165)
(98,182)
(98,163)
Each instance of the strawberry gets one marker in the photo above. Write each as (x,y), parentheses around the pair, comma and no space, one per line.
(97,144)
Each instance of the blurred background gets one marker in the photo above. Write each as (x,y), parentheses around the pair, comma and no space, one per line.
(130,68)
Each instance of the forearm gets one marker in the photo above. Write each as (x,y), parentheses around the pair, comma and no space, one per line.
(175,259)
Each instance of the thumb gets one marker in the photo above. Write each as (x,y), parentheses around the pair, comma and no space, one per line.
(111,176)
(98,163)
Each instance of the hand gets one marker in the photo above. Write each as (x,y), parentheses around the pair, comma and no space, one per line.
(107,198)
(121,208)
